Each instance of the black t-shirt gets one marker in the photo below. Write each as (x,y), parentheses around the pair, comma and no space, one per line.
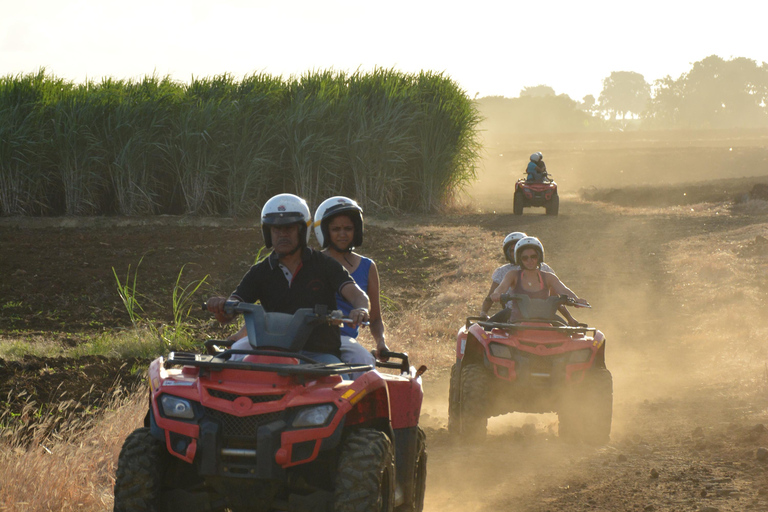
(316,281)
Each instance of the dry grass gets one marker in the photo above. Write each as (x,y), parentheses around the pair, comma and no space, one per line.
(69,471)
(722,278)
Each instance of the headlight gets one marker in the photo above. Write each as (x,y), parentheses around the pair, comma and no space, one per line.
(175,407)
(581,356)
(313,416)
(502,351)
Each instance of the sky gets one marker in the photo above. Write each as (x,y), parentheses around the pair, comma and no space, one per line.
(488,47)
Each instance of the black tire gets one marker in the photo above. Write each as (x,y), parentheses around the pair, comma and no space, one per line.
(454,399)
(416,501)
(553,207)
(517,205)
(587,412)
(365,477)
(474,398)
(141,469)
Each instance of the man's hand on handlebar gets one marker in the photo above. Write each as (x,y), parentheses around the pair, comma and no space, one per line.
(359,316)
(216,306)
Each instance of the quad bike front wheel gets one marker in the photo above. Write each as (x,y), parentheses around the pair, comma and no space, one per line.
(587,410)
(365,478)
(140,473)
(415,503)
(517,204)
(454,400)
(473,408)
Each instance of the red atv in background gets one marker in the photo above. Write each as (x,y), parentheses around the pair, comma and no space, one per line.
(270,429)
(535,365)
(534,193)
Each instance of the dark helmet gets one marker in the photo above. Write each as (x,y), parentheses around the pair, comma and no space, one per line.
(284,209)
(331,207)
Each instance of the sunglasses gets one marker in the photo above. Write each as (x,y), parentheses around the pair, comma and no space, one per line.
(529,257)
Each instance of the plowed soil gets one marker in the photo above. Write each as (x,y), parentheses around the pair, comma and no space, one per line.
(680,293)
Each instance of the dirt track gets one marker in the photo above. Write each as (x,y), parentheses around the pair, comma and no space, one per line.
(690,392)
(690,407)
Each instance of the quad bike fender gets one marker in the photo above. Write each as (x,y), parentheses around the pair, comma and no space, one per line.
(405,397)
(474,346)
(364,401)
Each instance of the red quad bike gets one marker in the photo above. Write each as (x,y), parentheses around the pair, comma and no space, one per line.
(532,193)
(270,429)
(534,365)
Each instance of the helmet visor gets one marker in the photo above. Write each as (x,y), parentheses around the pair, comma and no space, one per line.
(282,218)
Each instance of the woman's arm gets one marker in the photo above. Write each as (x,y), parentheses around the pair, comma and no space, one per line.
(487,301)
(559,288)
(509,281)
(376,322)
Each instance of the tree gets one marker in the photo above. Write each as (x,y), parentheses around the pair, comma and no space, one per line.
(548,114)
(624,92)
(715,94)
(537,91)
(588,103)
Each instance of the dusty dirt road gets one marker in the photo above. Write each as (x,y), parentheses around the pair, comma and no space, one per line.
(679,292)
(689,376)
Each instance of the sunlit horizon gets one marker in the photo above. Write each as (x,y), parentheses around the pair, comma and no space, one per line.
(488,49)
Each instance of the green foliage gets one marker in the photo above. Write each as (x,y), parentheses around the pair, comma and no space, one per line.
(182,301)
(129,293)
(392,140)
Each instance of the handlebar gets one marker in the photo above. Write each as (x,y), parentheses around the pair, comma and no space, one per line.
(231,307)
(564,300)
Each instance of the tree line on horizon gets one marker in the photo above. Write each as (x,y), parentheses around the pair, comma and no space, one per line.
(715,94)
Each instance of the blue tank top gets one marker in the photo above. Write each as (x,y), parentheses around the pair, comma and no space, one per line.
(360,275)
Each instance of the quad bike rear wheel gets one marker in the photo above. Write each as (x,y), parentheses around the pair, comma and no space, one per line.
(365,478)
(454,400)
(416,501)
(553,207)
(588,409)
(517,204)
(473,407)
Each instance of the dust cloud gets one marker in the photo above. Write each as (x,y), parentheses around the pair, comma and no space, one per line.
(674,290)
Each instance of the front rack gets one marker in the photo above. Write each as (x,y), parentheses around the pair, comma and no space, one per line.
(517,327)
(221,361)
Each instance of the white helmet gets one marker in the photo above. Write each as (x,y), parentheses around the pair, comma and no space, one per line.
(536,157)
(527,243)
(331,207)
(284,209)
(511,239)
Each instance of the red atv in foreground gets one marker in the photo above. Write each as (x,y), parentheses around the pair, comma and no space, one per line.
(535,365)
(269,429)
(533,193)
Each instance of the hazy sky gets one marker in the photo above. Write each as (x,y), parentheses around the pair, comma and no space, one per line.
(488,47)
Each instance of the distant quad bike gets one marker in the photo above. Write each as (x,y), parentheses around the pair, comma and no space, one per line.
(534,365)
(532,193)
(267,433)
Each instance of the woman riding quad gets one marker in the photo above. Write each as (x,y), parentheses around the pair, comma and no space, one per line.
(530,280)
(537,169)
(508,247)
(338,226)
